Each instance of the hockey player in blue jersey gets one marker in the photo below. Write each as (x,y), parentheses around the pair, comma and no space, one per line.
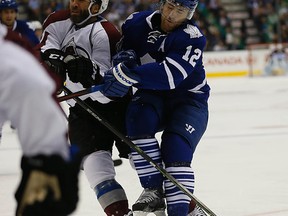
(8,17)
(171,96)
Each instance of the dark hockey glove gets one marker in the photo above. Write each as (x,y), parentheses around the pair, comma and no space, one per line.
(49,186)
(118,80)
(54,60)
(128,56)
(81,69)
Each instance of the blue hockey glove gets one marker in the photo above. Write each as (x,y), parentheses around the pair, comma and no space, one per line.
(49,186)
(118,80)
(128,56)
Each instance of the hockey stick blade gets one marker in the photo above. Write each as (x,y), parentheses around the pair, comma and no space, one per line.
(126,140)
(80,93)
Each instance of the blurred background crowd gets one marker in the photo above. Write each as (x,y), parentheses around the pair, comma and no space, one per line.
(228,25)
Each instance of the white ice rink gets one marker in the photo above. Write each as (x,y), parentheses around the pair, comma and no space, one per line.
(240,163)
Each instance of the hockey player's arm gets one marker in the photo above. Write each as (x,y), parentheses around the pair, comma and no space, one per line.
(49,183)
(50,47)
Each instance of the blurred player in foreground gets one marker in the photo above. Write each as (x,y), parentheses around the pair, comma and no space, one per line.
(49,183)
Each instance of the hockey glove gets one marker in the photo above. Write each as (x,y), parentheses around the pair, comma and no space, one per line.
(49,186)
(129,57)
(118,80)
(80,69)
(54,60)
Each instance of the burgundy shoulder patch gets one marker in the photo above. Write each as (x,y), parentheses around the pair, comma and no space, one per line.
(56,16)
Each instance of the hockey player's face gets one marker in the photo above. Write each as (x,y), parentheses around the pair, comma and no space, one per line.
(172,16)
(79,10)
(8,17)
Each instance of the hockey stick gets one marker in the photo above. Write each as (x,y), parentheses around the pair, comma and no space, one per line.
(124,139)
(116,162)
(80,93)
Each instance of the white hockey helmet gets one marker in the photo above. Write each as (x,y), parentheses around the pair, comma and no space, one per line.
(103,5)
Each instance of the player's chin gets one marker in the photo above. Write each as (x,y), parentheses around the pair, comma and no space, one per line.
(168,26)
(75,18)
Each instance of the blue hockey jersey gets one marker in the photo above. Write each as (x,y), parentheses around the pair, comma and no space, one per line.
(22,28)
(167,60)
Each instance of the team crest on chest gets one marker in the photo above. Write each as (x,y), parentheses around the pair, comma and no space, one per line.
(70,47)
(193,31)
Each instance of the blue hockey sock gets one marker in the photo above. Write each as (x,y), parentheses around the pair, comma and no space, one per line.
(177,201)
(149,176)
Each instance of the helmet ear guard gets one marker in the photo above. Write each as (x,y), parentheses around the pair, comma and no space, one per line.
(103,5)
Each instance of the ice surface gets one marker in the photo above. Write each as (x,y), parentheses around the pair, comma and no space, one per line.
(240,164)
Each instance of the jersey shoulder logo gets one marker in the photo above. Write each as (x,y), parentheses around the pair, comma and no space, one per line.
(130,17)
(193,31)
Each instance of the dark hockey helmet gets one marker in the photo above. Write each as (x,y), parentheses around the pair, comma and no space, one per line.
(191,4)
(8,4)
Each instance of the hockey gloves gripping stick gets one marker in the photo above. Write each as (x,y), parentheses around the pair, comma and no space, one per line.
(81,69)
(49,186)
(119,79)
(129,57)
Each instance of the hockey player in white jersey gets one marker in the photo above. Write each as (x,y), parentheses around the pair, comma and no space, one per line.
(172,94)
(78,44)
(49,183)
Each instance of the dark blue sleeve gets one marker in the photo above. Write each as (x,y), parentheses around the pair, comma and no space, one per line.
(182,61)
(28,33)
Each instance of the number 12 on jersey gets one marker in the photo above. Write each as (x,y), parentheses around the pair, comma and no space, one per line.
(192,57)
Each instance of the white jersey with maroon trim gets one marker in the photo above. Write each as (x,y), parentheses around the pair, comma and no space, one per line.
(26,100)
(96,41)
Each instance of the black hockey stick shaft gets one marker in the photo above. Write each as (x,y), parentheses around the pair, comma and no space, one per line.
(124,139)
(80,93)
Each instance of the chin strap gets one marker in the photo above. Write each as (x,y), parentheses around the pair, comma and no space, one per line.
(90,15)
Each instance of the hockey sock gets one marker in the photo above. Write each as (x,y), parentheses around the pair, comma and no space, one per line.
(100,172)
(149,176)
(178,201)
(112,198)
